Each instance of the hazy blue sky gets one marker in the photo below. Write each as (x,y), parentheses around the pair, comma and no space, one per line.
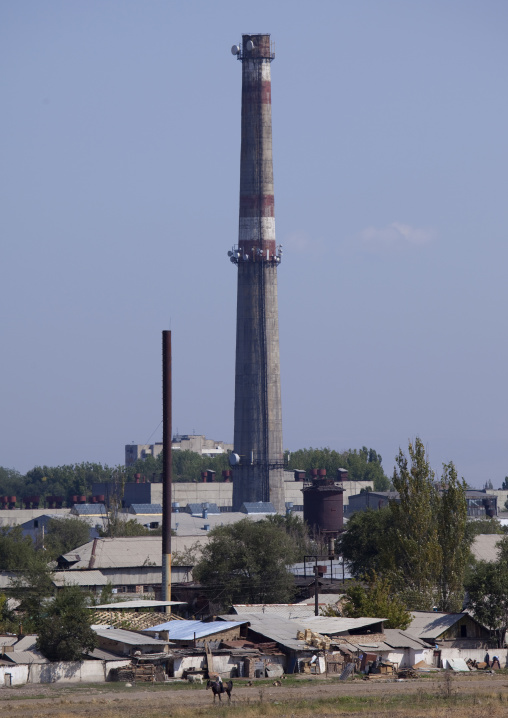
(120,150)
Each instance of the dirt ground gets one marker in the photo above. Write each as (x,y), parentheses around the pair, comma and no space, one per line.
(144,700)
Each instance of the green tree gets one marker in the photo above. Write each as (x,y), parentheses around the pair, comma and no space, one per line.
(8,622)
(369,542)
(376,600)
(119,527)
(16,551)
(64,631)
(31,587)
(475,527)
(66,534)
(246,562)
(298,532)
(487,588)
(504,486)
(418,550)
(453,540)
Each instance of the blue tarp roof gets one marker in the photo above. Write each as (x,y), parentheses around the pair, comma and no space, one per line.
(185,630)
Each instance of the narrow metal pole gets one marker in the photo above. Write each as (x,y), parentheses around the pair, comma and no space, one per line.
(316,599)
(166,467)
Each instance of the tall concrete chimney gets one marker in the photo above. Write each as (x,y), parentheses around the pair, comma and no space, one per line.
(257,459)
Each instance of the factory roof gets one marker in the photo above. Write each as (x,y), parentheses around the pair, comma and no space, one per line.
(8,640)
(117,552)
(89,510)
(79,578)
(146,509)
(188,630)
(285,610)
(197,509)
(324,599)
(333,569)
(129,638)
(131,605)
(485,547)
(257,507)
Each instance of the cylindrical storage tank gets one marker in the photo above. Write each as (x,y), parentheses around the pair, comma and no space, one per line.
(176,507)
(74,499)
(204,477)
(313,473)
(101,498)
(321,472)
(323,507)
(299,475)
(81,499)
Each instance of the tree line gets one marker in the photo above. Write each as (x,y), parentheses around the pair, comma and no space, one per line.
(77,479)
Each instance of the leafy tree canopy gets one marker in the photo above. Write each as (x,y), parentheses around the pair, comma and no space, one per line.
(31,587)
(16,551)
(64,631)
(369,541)
(421,543)
(246,562)
(487,588)
(376,599)
(362,465)
(65,534)
(118,527)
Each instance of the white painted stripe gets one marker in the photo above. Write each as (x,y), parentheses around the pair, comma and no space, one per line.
(251,227)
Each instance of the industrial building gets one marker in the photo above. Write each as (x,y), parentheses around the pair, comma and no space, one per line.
(180,442)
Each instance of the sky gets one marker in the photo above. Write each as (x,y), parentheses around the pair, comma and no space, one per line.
(119,184)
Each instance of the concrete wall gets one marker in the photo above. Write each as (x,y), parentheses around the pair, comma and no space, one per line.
(62,672)
(476,654)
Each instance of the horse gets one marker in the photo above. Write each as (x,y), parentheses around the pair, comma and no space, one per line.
(218,688)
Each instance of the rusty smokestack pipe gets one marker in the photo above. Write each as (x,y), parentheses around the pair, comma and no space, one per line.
(166,467)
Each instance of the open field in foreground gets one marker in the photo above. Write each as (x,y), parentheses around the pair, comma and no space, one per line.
(472,696)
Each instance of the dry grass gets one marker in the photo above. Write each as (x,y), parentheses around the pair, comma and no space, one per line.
(419,705)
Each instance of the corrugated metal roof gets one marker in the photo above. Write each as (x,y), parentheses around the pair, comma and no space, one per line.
(27,643)
(275,628)
(25,657)
(429,625)
(79,578)
(8,640)
(99,654)
(333,626)
(129,637)
(185,630)
(395,638)
(257,507)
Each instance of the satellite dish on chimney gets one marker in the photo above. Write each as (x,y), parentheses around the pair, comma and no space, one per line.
(234,459)
(235,50)
(250,45)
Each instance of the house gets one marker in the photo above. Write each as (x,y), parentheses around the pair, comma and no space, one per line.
(129,643)
(191,633)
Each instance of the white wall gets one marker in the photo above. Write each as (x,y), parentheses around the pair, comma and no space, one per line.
(62,672)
